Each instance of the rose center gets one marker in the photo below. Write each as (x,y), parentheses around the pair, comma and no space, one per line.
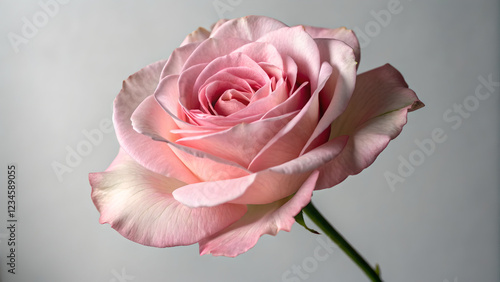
(231,101)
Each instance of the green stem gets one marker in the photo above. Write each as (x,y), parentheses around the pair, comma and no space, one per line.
(324,225)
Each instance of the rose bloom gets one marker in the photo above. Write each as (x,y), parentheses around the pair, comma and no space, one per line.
(227,139)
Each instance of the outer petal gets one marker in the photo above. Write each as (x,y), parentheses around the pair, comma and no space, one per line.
(336,93)
(216,25)
(249,28)
(177,59)
(376,114)
(138,203)
(196,36)
(259,220)
(263,187)
(155,156)
(342,34)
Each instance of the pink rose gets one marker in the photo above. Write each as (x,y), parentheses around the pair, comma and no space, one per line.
(227,140)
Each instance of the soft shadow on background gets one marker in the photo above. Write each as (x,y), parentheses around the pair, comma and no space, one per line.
(438,222)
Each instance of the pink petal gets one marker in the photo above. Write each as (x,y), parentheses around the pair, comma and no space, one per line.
(167,96)
(225,83)
(267,98)
(211,49)
(234,143)
(155,156)
(188,97)
(177,60)
(342,34)
(263,187)
(297,99)
(150,120)
(297,44)
(206,121)
(205,166)
(216,25)
(259,220)
(375,115)
(249,28)
(291,70)
(337,91)
(138,203)
(196,36)
(261,52)
(288,143)
(250,70)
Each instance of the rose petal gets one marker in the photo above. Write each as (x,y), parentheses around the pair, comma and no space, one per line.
(153,122)
(263,101)
(206,166)
(233,61)
(177,60)
(212,48)
(220,122)
(298,94)
(167,96)
(196,36)
(261,187)
(341,33)
(188,98)
(155,156)
(216,25)
(138,203)
(150,117)
(384,100)
(336,93)
(297,44)
(259,220)
(228,83)
(233,143)
(288,143)
(249,28)
(291,70)
(262,52)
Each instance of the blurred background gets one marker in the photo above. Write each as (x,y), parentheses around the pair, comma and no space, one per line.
(423,212)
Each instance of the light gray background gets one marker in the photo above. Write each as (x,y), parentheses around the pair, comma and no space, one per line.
(441,224)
